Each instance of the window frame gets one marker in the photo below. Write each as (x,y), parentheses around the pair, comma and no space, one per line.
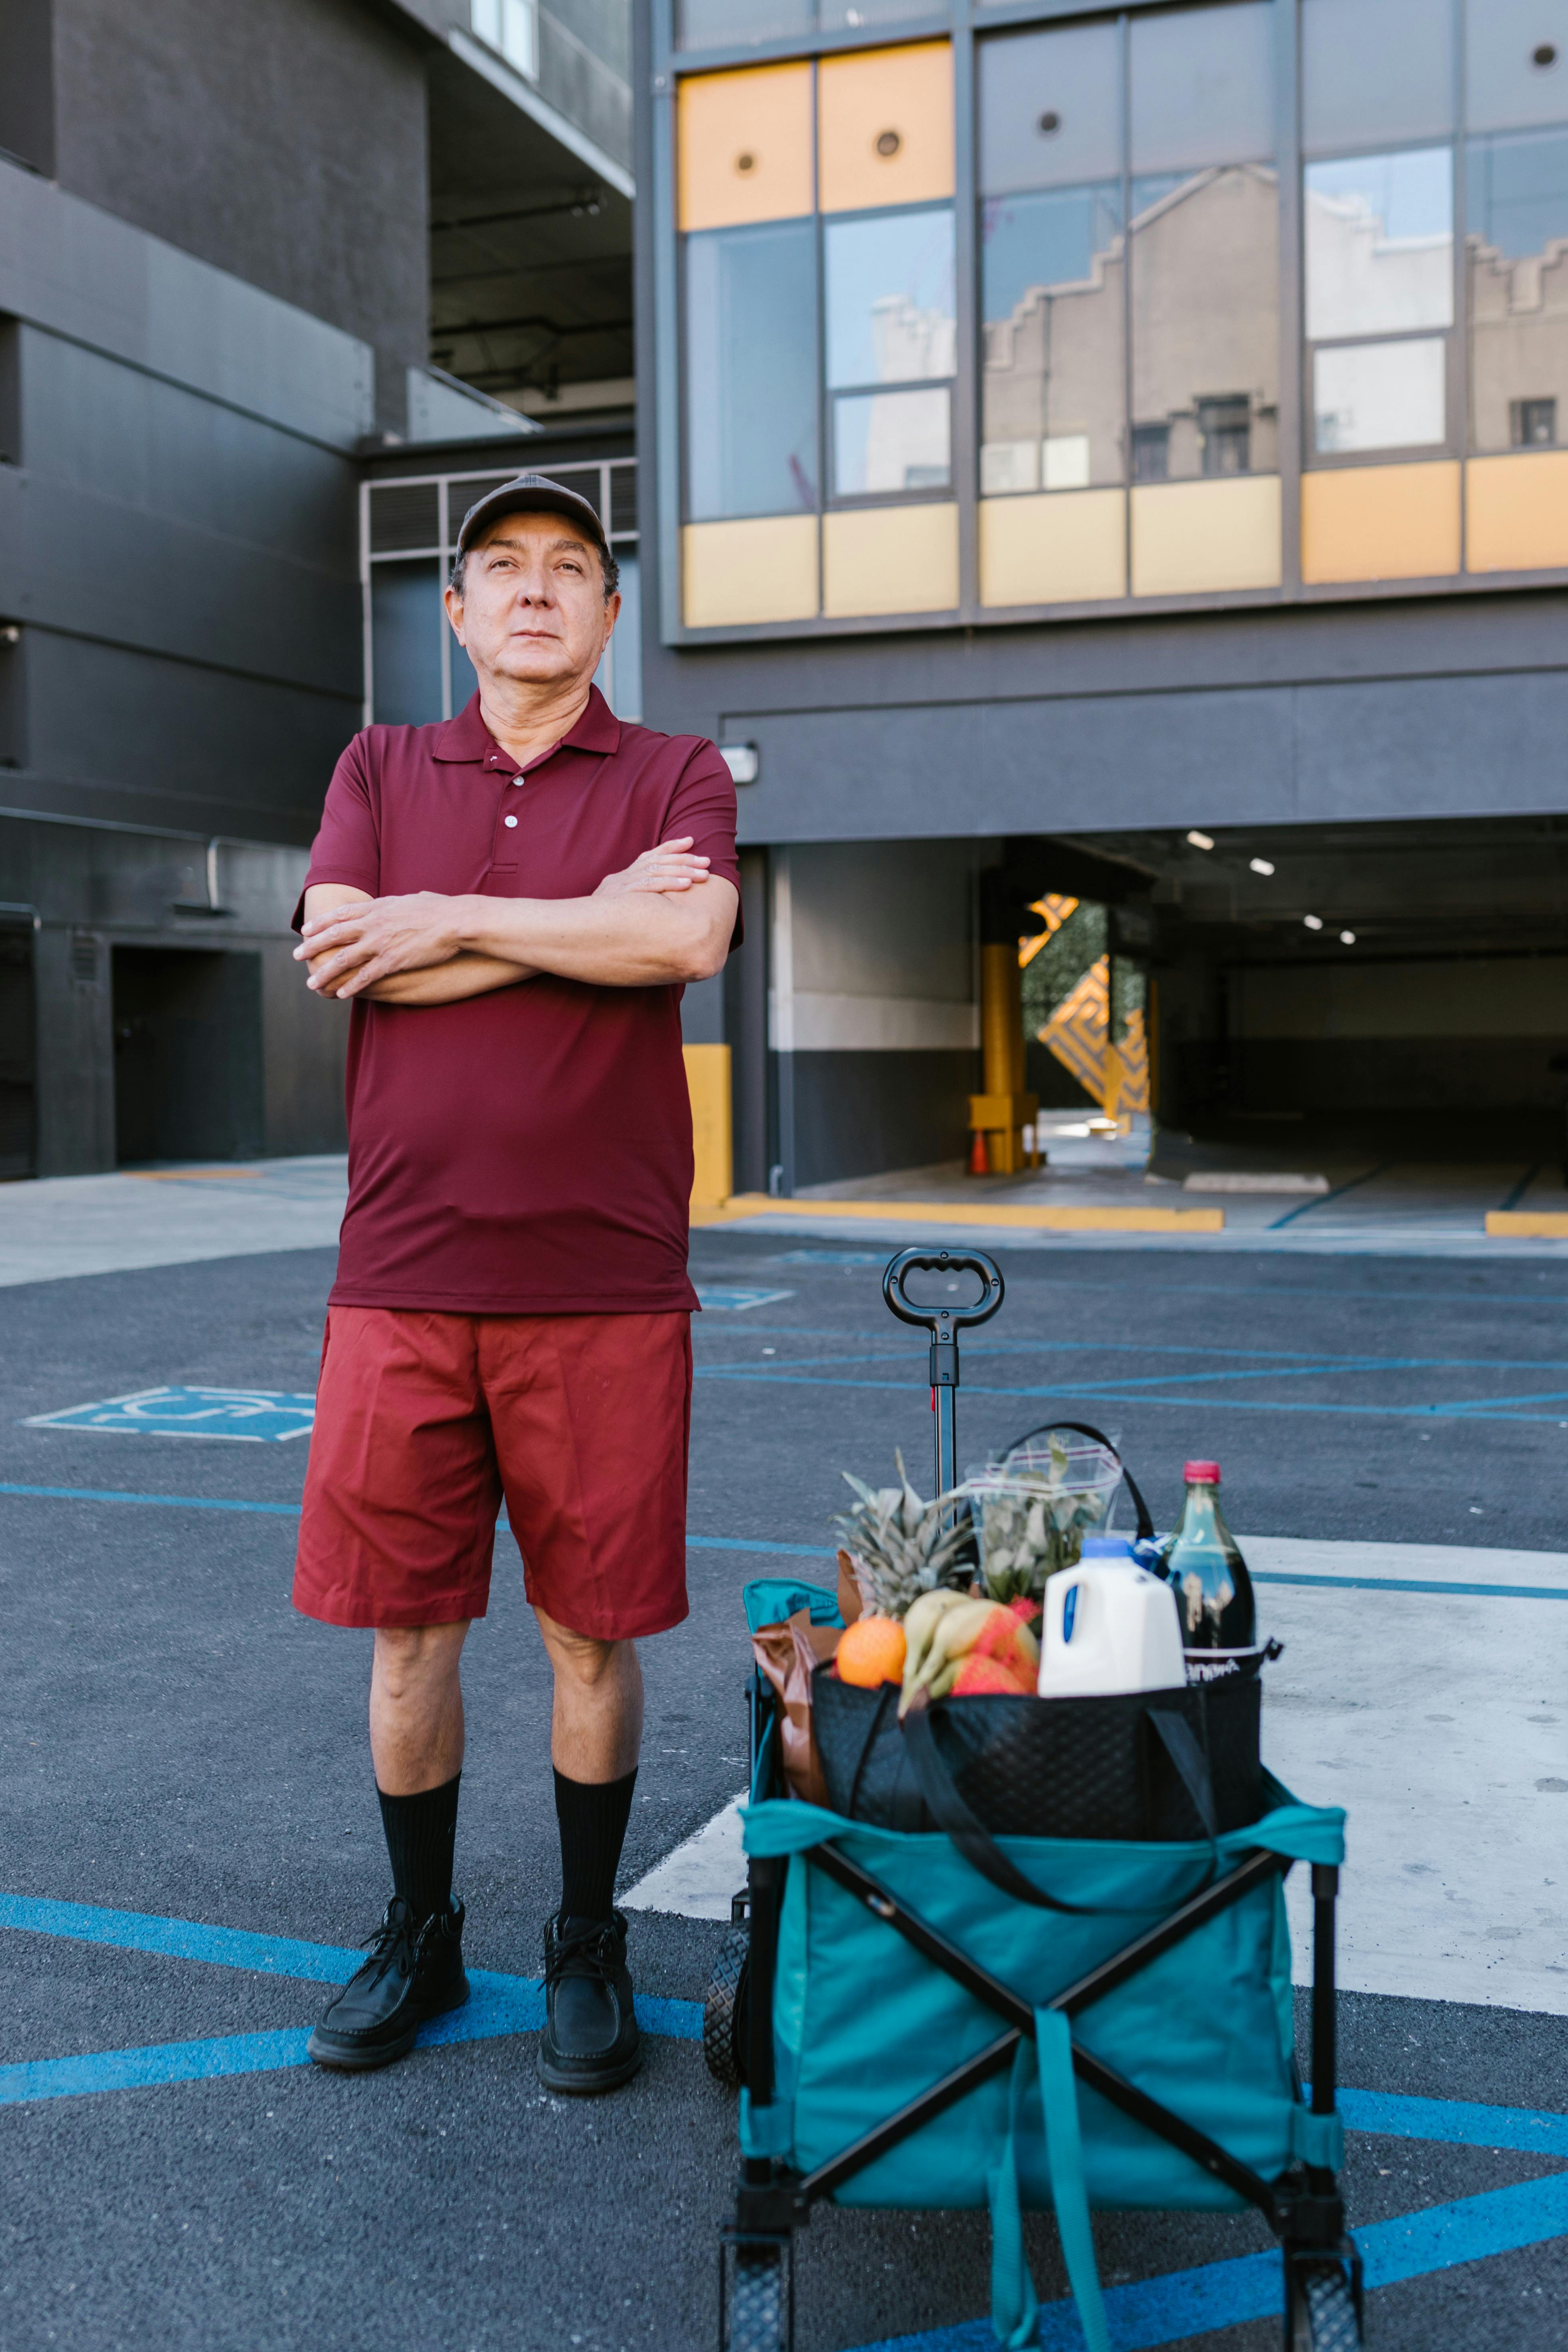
(964,22)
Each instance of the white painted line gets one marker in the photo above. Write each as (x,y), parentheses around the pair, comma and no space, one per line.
(1429,1563)
(699,1878)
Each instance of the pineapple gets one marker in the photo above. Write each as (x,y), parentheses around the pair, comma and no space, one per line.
(900,1547)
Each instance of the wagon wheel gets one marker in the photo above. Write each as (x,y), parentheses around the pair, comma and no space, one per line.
(755,2313)
(1320,2312)
(725,2008)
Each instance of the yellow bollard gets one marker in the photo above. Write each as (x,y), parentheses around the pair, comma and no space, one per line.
(707,1083)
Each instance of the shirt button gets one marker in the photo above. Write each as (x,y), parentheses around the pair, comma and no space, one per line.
(511,820)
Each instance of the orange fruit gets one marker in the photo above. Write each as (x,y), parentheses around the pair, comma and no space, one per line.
(871,1650)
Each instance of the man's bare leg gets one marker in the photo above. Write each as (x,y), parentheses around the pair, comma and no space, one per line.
(417,1706)
(590,2040)
(595,1723)
(415,1971)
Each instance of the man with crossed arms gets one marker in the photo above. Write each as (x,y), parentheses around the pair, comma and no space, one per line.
(512,902)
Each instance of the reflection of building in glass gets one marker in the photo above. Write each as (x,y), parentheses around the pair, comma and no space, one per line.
(1205,349)
(1519,346)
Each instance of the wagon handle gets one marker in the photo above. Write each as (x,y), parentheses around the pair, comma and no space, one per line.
(944,1324)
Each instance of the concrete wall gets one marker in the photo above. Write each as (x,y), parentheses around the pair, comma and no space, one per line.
(92,889)
(282,141)
(1474,1033)
(177,530)
(872,1015)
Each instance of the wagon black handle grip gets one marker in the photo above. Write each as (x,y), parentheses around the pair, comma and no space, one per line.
(940,1321)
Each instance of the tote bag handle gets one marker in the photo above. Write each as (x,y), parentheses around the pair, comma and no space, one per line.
(1082,1429)
(952,1812)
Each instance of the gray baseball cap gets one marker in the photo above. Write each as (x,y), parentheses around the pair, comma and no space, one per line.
(531,494)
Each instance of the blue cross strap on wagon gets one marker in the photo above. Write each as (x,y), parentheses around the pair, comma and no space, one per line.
(1014,1933)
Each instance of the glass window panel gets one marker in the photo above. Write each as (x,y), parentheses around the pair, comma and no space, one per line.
(1516,257)
(1379,244)
(1206,327)
(750,370)
(890,305)
(1380,395)
(1202,87)
(1516,63)
(405,626)
(891,441)
(620,676)
(1050,109)
(1052,389)
(1376,70)
(720,23)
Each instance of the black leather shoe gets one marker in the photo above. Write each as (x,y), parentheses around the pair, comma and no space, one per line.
(590,2041)
(413,1973)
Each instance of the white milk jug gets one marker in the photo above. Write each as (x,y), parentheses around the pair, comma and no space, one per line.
(1108,1628)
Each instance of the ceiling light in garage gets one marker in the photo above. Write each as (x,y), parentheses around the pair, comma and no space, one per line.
(1347,939)
(1260,866)
(1314,922)
(1199,841)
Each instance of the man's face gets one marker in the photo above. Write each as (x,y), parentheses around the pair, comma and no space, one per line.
(533,608)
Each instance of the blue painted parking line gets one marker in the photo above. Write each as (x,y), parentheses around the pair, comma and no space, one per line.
(167,1502)
(1183,2303)
(736,1297)
(764,1546)
(1166,2310)
(252,1416)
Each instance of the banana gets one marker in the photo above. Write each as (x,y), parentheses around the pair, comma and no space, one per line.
(954,1632)
(920,1621)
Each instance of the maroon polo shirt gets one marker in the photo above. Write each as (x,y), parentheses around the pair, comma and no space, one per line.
(528,1152)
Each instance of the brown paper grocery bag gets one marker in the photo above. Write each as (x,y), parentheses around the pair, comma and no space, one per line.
(788,1654)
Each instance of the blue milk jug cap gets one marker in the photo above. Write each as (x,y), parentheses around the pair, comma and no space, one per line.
(1106,1547)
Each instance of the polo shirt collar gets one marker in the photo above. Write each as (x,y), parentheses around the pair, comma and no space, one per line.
(466,738)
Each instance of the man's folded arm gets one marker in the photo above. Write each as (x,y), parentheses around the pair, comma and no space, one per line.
(461,975)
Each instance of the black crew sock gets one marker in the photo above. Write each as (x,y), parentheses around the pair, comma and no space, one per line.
(592,1816)
(421,1831)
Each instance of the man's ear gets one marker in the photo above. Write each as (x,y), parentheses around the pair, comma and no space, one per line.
(454,604)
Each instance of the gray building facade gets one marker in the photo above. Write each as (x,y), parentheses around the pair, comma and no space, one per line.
(222,240)
(1156,502)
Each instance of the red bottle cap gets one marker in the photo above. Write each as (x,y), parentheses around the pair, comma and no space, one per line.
(1201,1474)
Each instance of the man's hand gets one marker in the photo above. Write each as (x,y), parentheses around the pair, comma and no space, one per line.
(670,866)
(349,947)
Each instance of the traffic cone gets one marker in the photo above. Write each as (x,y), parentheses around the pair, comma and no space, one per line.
(978,1164)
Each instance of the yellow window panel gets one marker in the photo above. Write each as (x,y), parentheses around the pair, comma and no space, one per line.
(890,560)
(762,569)
(1516,512)
(744,146)
(1381,522)
(885,127)
(1063,550)
(1201,538)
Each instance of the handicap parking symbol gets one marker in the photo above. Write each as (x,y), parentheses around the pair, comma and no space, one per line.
(735,1296)
(257,1415)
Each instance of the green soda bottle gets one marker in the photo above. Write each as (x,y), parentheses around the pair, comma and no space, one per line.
(1205,1569)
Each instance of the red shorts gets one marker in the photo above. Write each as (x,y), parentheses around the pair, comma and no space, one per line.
(424,1420)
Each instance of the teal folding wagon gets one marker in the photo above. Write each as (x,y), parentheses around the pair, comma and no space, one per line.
(910,2027)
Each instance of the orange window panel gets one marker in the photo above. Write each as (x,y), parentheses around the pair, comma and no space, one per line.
(885,127)
(1381,522)
(1516,512)
(744,146)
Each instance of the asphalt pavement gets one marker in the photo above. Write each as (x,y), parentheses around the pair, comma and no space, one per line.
(185,1762)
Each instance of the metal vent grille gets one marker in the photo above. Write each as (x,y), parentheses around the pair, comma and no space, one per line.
(622,498)
(403,517)
(461,496)
(84,958)
(584,480)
